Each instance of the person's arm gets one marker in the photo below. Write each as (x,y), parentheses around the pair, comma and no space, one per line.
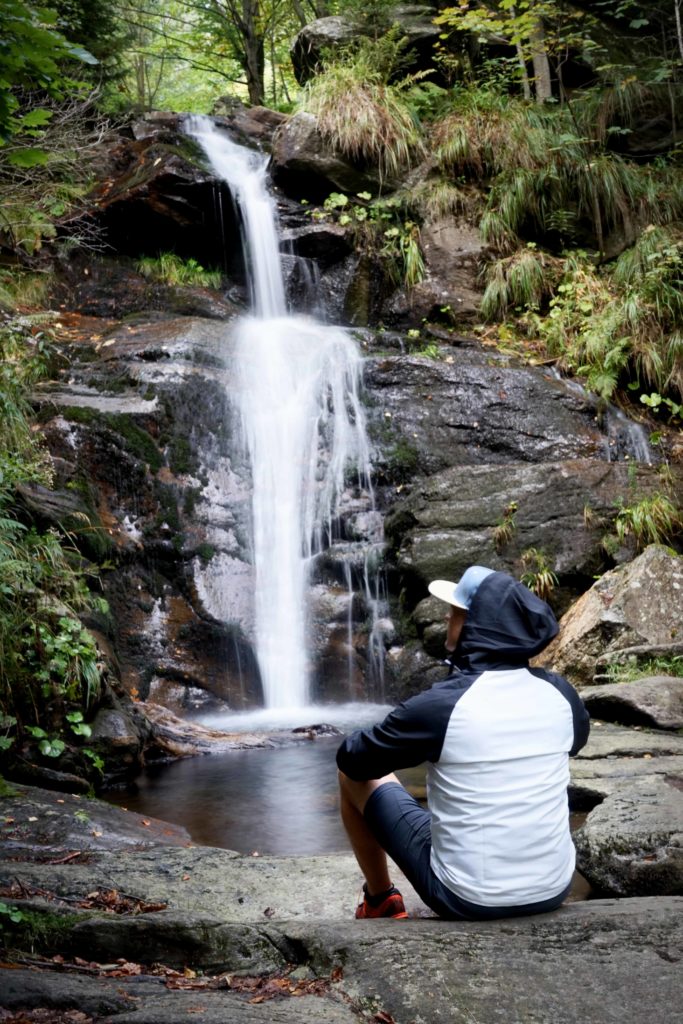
(410,734)
(580,716)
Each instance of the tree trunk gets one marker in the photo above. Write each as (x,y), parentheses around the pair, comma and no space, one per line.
(539,56)
(254,55)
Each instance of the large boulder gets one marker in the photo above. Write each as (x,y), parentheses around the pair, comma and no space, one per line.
(330,35)
(452,519)
(632,844)
(470,407)
(637,603)
(324,35)
(306,166)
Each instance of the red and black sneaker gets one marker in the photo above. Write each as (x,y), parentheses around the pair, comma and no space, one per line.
(385,904)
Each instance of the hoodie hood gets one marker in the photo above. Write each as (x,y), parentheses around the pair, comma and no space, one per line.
(506,625)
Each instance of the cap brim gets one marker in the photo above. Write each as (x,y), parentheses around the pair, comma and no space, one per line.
(445,591)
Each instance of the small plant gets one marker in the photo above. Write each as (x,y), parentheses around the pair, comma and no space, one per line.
(9,914)
(381,228)
(652,520)
(504,531)
(171,269)
(629,671)
(49,746)
(537,574)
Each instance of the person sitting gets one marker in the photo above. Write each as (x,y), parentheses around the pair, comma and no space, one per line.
(494,840)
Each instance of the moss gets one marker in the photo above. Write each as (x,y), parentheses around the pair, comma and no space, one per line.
(190,500)
(138,441)
(180,457)
(168,506)
(113,386)
(206,552)
(81,414)
(7,790)
(403,460)
(39,931)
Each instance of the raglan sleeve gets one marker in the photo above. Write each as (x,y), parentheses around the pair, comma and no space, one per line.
(580,716)
(582,722)
(410,734)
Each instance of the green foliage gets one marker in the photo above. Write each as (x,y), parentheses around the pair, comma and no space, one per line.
(23,290)
(635,668)
(171,269)
(34,57)
(523,280)
(617,323)
(537,574)
(48,662)
(552,174)
(439,197)
(505,529)
(369,120)
(382,230)
(9,913)
(654,519)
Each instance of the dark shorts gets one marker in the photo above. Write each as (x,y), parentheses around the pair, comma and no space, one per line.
(404,829)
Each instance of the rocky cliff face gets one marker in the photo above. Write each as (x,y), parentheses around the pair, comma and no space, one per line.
(142,427)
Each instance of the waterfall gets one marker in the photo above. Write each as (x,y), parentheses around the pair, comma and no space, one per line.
(302,420)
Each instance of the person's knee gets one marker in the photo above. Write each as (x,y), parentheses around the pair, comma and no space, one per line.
(358,793)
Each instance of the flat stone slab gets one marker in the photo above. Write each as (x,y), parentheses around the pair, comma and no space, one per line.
(607,740)
(601,962)
(653,701)
(603,778)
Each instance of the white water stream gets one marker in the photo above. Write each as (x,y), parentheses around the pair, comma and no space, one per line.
(303,424)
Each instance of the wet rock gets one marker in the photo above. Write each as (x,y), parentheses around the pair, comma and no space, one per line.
(641,602)
(113,288)
(307,167)
(449,521)
(331,34)
(471,408)
(632,843)
(327,244)
(69,829)
(653,701)
(66,511)
(174,737)
(119,739)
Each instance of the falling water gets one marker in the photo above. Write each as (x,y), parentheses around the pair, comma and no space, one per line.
(303,426)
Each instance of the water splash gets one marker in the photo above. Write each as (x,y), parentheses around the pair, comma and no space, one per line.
(303,426)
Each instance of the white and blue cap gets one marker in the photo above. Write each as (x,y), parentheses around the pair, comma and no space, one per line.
(460,594)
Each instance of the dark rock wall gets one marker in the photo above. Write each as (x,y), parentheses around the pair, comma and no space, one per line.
(141,425)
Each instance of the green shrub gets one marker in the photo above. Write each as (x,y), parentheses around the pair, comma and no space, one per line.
(368,120)
(171,269)
(651,520)
(48,661)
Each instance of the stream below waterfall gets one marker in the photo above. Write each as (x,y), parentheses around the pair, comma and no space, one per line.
(280,801)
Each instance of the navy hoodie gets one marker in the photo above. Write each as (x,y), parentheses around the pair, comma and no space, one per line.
(496,736)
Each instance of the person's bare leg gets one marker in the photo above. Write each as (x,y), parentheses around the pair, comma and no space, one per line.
(371,858)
